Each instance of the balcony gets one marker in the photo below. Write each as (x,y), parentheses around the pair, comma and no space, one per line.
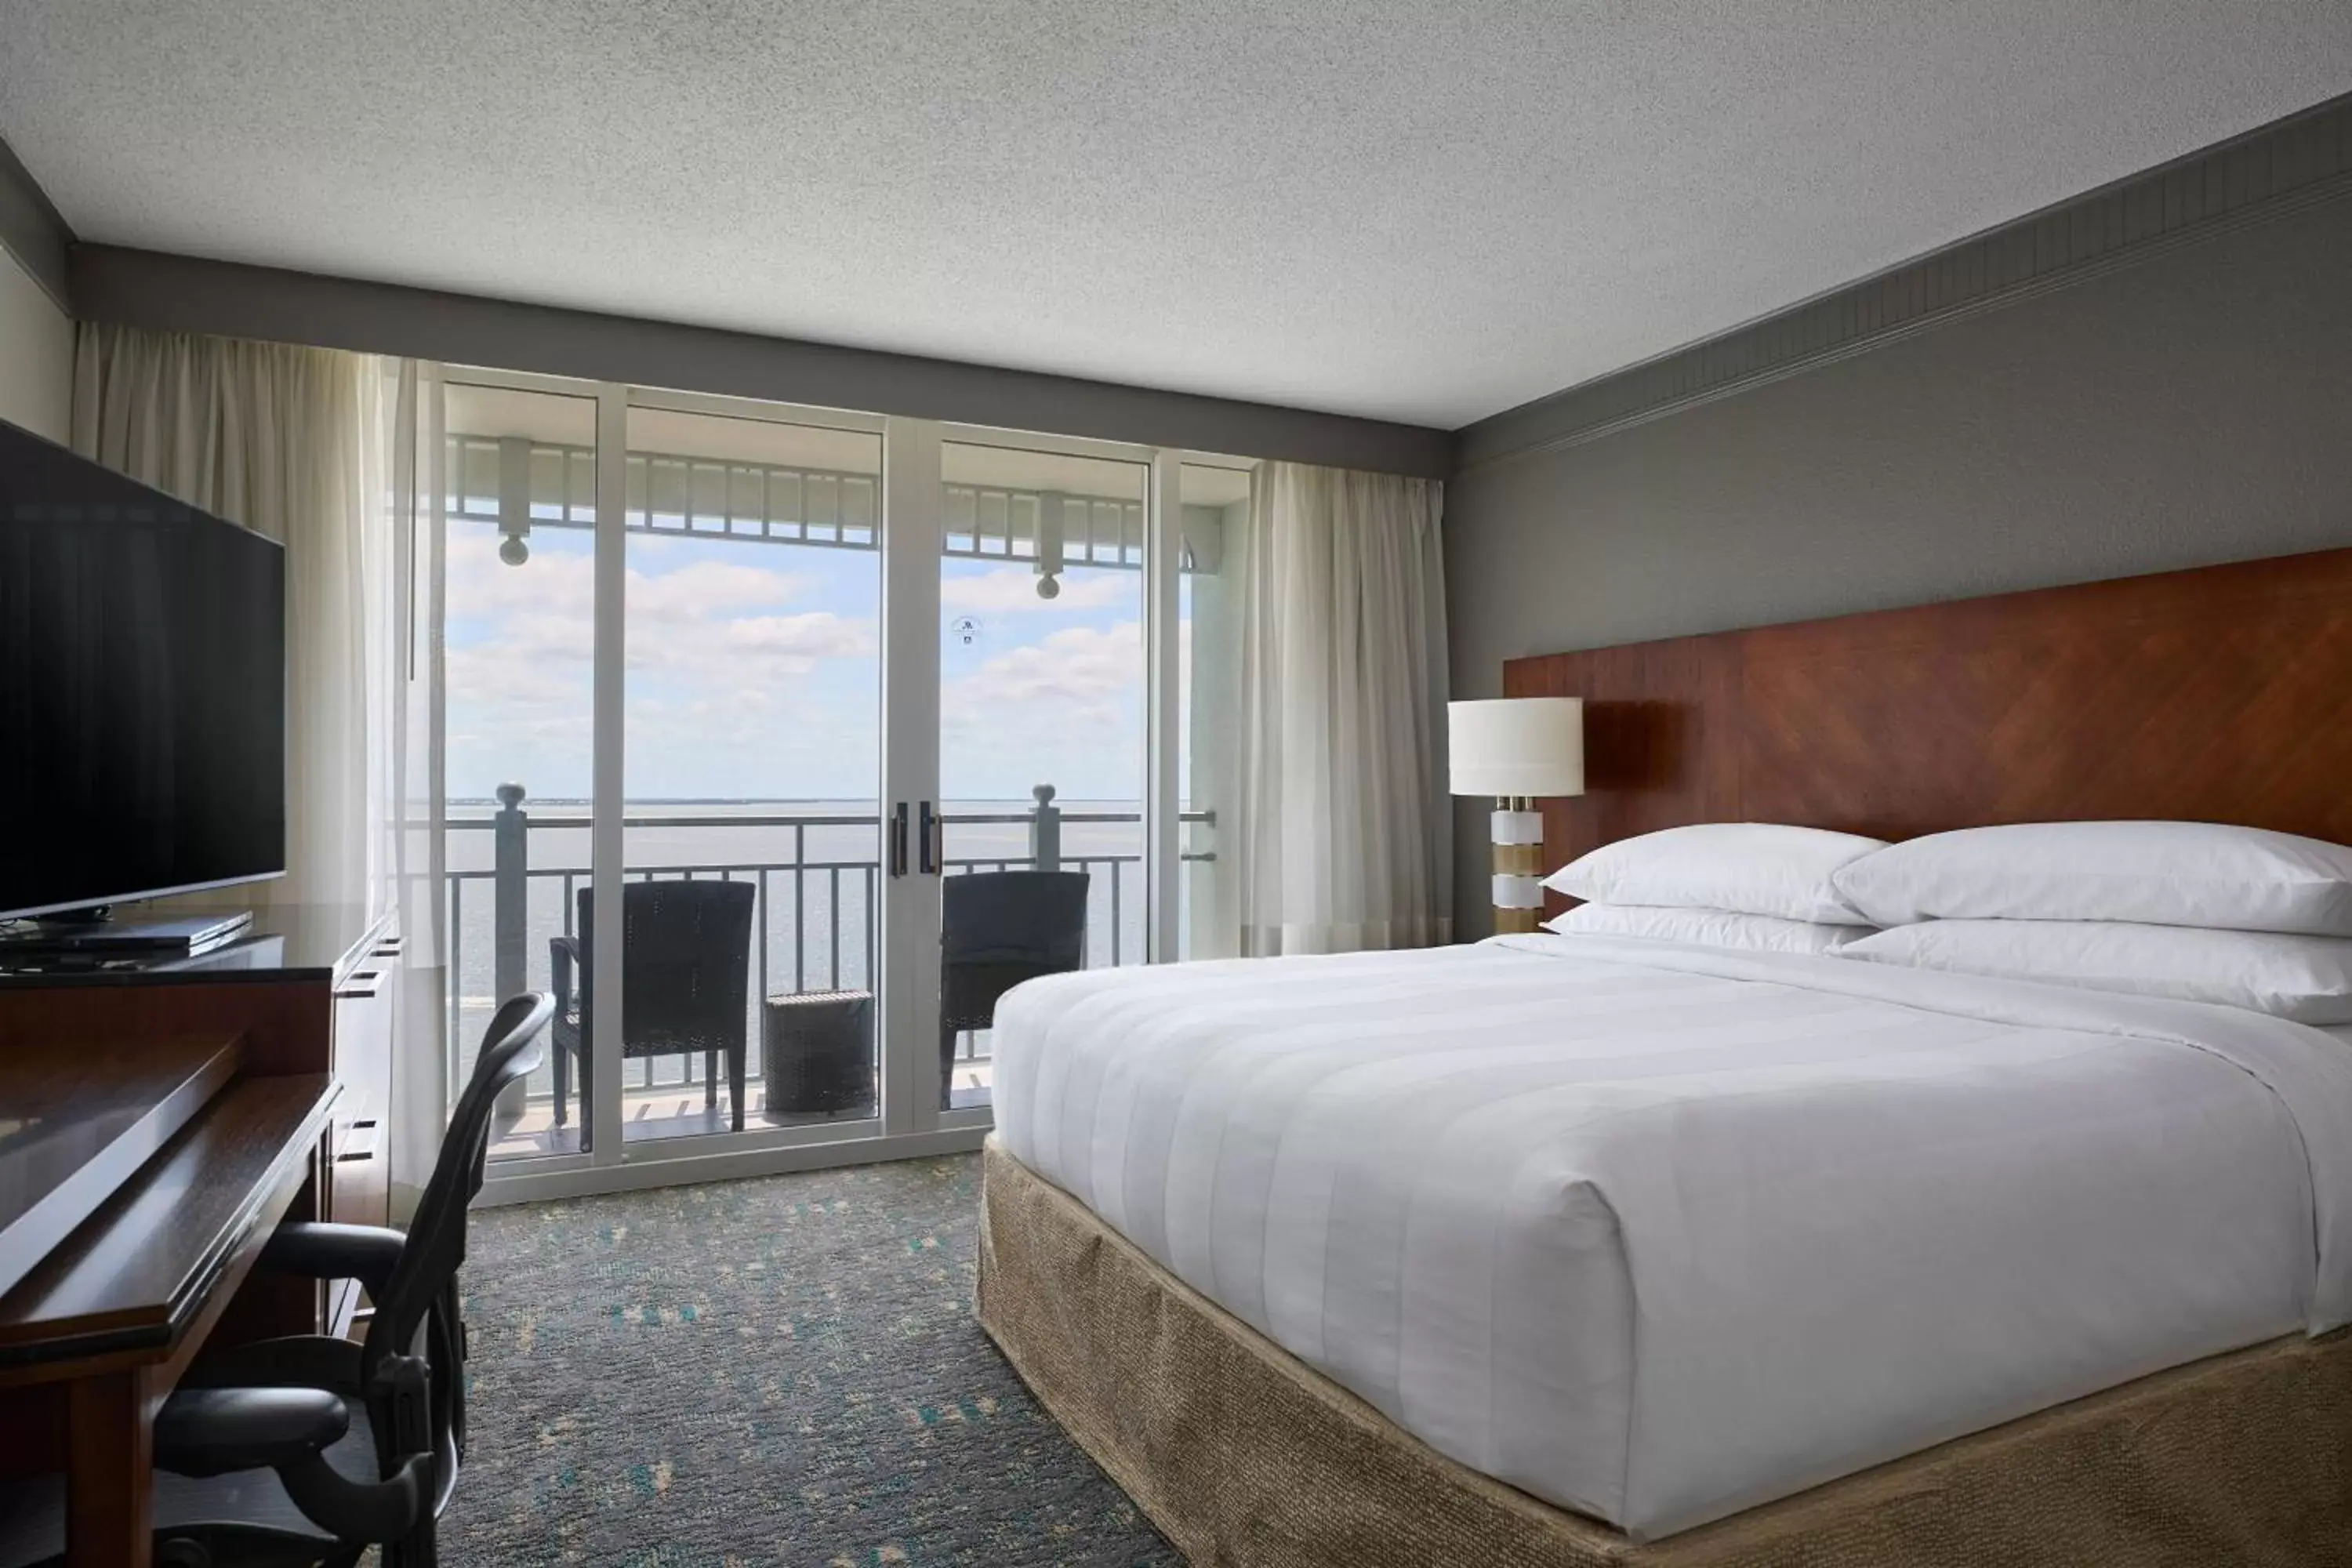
(515,875)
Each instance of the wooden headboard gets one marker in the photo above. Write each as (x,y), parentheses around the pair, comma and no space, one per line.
(2221,694)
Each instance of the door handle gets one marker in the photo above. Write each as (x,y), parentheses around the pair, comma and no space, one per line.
(898,840)
(933,850)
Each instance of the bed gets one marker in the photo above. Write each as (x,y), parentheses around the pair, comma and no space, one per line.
(1580,1250)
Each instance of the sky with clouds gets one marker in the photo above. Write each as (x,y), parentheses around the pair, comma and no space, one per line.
(755,672)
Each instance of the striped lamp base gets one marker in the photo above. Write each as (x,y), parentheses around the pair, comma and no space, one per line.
(1518,836)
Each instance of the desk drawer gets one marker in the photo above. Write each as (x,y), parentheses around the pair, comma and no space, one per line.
(358,1147)
(360,1172)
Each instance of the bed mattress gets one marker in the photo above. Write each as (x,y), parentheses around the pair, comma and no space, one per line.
(1659,1233)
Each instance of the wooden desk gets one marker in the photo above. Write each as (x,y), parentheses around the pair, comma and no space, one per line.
(315,988)
(97,1333)
(75,1124)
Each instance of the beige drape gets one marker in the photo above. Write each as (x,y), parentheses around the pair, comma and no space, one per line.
(292,443)
(1345,838)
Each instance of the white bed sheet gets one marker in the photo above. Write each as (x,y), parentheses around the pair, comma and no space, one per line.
(1659,1232)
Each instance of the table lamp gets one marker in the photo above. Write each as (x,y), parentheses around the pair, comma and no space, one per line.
(1517,749)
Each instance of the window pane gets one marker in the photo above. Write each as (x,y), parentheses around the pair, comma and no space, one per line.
(753,775)
(519,554)
(1213,557)
(1042,729)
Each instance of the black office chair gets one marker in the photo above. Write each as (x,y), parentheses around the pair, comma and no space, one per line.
(686,968)
(292,1452)
(998,928)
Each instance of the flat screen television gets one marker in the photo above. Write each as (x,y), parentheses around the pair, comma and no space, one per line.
(142,691)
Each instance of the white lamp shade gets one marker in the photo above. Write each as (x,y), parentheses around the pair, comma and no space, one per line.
(1518,746)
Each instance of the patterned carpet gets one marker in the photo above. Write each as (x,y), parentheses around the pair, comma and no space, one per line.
(782,1371)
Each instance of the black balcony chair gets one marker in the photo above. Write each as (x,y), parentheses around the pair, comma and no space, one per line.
(291,1452)
(998,928)
(686,972)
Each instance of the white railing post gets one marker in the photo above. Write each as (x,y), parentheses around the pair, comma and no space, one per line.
(509,923)
(1044,831)
(510,893)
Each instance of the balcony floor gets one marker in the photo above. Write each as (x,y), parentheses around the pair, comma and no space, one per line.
(675,1111)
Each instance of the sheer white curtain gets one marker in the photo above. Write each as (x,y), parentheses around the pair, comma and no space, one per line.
(292,443)
(1346,831)
(329,453)
(420,1088)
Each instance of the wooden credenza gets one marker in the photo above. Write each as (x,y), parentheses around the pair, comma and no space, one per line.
(288,1038)
(365,1023)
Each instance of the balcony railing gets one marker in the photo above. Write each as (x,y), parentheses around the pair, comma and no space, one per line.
(814,920)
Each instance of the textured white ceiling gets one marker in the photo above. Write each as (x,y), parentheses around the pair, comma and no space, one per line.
(1418,209)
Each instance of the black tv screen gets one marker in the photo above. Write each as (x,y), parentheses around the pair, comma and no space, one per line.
(143,689)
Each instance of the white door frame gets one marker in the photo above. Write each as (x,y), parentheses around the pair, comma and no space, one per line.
(1164,826)
(909,946)
(608,754)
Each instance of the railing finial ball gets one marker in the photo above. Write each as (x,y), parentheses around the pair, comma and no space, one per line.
(509,795)
(1045,794)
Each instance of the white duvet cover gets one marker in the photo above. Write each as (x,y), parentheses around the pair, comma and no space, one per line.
(1659,1232)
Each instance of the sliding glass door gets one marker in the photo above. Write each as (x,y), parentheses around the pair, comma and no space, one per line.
(855,721)
(1213,575)
(518,713)
(751,825)
(1042,757)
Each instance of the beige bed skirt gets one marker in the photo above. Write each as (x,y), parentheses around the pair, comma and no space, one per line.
(1246,1458)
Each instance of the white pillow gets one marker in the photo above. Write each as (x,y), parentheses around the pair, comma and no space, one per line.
(1708,928)
(2305,978)
(2157,873)
(1747,867)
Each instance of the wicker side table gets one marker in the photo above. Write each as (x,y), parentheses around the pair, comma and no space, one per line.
(817,1052)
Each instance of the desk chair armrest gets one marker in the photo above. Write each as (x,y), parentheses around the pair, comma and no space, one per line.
(315,1250)
(219,1431)
(379,1512)
(213,1431)
(300,1361)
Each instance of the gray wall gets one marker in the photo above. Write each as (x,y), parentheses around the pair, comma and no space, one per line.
(189,294)
(36,333)
(2192,407)
(36,355)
